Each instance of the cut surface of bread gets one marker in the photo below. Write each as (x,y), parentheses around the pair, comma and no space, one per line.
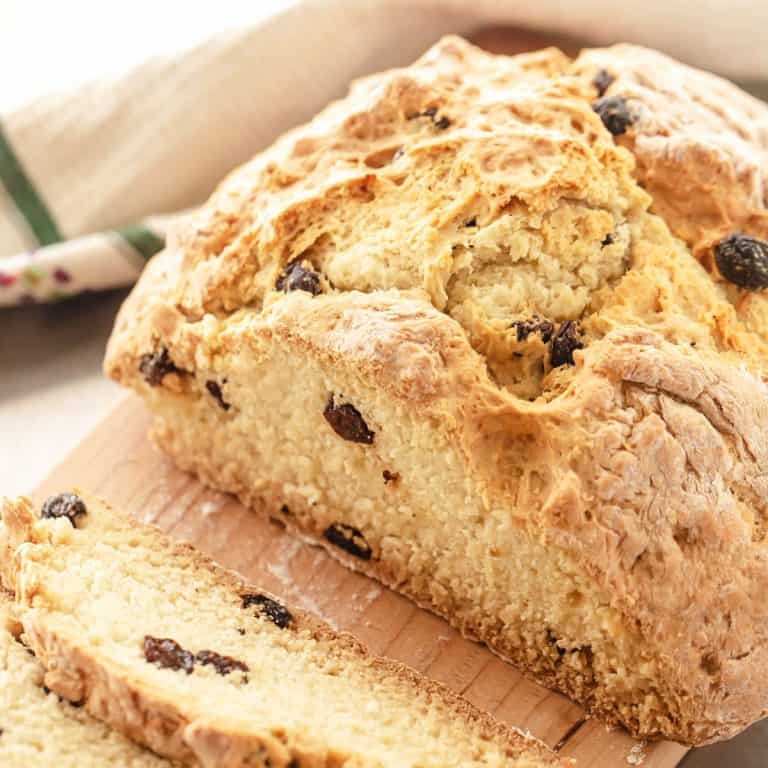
(442,330)
(180,655)
(39,730)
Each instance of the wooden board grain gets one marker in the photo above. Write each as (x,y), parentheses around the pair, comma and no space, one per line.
(118,463)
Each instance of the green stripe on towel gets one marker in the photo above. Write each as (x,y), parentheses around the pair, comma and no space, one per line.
(24,195)
(141,239)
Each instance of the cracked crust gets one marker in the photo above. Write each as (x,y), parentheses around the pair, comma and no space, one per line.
(701,147)
(636,475)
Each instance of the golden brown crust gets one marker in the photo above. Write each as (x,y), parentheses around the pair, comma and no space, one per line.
(647,453)
(113,692)
(701,143)
(701,147)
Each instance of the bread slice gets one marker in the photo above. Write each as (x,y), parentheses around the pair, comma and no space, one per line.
(440,331)
(39,730)
(180,655)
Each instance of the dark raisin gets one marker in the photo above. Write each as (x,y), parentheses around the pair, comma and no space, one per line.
(349,539)
(278,614)
(614,113)
(525,328)
(471,222)
(390,477)
(607,240)
(155,366)
(602,81)
(285,509)
(346,421)
(295,277)
(564,342)
(743,261)
(428,112)
(66,505)
(222,664)
(167,654)
(552,640)
(441,123)
(214,388)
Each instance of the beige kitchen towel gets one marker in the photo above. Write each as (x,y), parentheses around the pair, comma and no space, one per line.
(90,179)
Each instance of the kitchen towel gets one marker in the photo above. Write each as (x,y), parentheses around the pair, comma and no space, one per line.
(91,178)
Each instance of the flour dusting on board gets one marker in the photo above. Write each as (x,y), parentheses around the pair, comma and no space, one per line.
(294,593)
(208,508)
(636,755)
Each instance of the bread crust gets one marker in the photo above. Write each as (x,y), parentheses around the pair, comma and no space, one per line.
(648,451)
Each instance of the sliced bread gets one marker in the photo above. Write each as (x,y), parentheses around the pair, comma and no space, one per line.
(38,729)
(182,656)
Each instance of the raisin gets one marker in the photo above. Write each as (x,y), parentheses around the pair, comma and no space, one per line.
(602,81)
(285,509)
(296,277)
(614,113)
(222,664)
(471,222)
(167,654)
(214,388)
(346,422)
(743,261)
(66,505)
(525,328)
(607,240)
(552,640)
(441,123)
(155,365)
(349,539)
(278,614)
(564,342)
(390,477)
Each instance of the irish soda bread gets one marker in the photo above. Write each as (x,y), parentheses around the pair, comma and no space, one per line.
(40,730)
(441,330)
(180,655)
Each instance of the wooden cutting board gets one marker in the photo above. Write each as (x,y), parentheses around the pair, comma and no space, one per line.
(118,462)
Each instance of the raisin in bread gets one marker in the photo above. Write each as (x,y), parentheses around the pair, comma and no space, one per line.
(182,656)
(441,331)
(39,730)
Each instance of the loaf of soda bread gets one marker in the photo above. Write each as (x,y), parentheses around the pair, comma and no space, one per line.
(494,330)
(38,729)
(180,655)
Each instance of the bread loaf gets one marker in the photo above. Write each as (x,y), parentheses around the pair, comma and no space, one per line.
(449,330)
